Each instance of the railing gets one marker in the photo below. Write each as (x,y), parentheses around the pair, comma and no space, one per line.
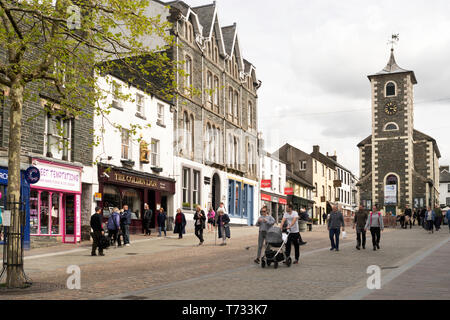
(13,245)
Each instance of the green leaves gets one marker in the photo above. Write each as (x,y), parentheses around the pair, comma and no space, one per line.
(129,37)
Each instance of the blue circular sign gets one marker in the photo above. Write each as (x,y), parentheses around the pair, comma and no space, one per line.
(32,175)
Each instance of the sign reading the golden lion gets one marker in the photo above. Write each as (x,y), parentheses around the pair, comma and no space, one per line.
(135,179)
(146,182)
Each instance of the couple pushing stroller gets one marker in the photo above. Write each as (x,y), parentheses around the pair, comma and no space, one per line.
(278,244)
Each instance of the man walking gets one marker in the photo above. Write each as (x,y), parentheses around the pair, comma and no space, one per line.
(292,225)
(335,222)
(265,222)
(448,219)
(148,217)
(199,218)
(97,232)
(360,223)
(376,225)
(125,222)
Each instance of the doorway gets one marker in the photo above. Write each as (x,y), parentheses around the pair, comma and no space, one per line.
(70,219)
(152,206)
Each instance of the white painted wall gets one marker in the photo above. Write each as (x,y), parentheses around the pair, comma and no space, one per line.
(110,139)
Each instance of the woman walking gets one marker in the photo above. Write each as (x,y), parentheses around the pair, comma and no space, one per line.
(376,225)
(113,226)
(430,217)
(162,217)
(223,225)
(180,224)
(199,218)
(211,217)
(265,222)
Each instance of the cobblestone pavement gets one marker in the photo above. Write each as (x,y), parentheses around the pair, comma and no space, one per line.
(169,268)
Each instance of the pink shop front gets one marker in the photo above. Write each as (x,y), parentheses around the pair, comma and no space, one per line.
(55,202)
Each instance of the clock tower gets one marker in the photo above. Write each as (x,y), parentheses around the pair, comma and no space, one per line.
(399,165)
(392,135)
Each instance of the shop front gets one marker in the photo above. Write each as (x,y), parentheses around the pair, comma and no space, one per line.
(55,202)
(275,203)
(119,187)
(240,200)
(298,203)
(24,194)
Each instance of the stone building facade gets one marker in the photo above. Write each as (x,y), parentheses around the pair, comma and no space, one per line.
(399,165)
(40,148)
(215,116)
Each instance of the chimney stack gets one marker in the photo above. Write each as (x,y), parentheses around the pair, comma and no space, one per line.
(316,149)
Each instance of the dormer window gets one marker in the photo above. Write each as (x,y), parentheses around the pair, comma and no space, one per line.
(391,89)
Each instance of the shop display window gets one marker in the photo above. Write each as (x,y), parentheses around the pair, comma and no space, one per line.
(111,199)
(55,213)
(132,198)
(44,211)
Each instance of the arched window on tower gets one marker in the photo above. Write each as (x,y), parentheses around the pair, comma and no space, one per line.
(391,127)
(390,89)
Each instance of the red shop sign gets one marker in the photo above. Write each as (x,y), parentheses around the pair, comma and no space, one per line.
(266,197)
(282,201)
(266,183)
(289,191)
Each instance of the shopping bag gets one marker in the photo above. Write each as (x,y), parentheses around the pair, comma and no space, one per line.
(344,235)
(104,242)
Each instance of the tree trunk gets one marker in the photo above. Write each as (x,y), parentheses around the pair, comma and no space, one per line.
(15,276)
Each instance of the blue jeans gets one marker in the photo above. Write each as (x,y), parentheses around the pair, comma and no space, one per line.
(162,229)
(126,234)
(334,234)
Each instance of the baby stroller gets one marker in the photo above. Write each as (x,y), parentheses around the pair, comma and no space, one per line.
(275,248)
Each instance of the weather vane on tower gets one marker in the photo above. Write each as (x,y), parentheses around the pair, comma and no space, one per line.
(395,38)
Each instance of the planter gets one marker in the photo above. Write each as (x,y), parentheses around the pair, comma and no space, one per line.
(302,226)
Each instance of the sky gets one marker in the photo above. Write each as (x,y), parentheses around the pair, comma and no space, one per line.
(313,58)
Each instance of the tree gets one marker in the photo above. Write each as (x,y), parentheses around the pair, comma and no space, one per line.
(62,46)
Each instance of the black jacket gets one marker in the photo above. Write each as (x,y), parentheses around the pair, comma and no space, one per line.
(201,216)
(408,212)
(96,222)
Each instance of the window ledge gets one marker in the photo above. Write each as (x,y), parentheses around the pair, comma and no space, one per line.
(139,115)
(117,107)
(162,125)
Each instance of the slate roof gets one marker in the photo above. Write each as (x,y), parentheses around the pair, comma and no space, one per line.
(181,5)
(324,159)
(228,37)
(296,178)
(417,137)
(205,16)
(393,68)
(444,176)
(367,140)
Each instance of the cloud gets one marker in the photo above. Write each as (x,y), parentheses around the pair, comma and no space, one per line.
(313,58)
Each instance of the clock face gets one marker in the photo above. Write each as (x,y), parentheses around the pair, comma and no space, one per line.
(390,108)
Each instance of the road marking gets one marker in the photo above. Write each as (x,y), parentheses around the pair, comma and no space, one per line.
(364,292)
